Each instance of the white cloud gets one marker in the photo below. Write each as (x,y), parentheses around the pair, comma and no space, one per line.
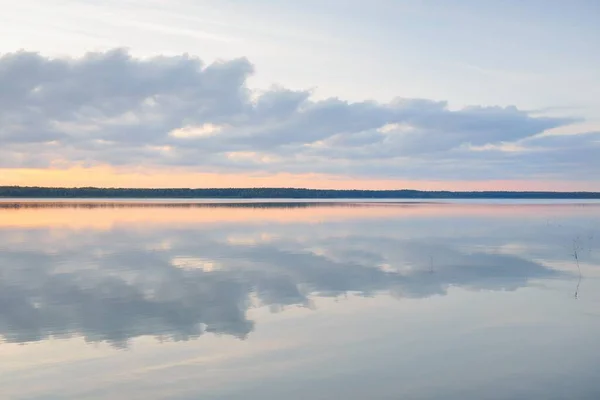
(188,132)
(112,108)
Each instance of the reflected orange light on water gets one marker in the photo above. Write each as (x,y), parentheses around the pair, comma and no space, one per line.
(105,215)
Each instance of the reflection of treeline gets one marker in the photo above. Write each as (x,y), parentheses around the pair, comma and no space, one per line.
(277,193)
(100,204)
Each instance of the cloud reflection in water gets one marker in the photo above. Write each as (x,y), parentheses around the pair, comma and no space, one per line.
(179,282)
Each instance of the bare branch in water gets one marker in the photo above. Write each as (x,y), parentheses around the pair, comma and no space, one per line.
(576,249)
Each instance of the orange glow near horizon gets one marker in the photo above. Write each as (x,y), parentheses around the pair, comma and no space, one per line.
(105,176)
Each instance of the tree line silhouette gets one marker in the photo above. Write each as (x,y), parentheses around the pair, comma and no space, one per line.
(275,193)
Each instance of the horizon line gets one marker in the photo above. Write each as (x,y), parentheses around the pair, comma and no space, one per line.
(66,188)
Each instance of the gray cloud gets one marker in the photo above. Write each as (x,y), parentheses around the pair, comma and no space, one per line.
(114,108)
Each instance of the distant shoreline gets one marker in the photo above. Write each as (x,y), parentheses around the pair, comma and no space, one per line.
(30,192)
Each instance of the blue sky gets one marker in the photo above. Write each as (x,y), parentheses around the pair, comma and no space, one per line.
(535,61)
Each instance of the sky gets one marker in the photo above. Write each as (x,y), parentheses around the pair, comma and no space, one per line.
(422,94)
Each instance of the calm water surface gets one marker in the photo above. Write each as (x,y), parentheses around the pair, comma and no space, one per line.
(336,300)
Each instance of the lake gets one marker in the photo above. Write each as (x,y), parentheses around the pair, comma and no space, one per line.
(261,299)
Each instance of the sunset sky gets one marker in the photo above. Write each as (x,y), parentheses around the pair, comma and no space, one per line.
(423,94)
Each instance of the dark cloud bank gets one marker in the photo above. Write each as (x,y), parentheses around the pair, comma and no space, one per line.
(113,108)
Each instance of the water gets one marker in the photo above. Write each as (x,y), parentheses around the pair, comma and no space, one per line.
(299,300)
